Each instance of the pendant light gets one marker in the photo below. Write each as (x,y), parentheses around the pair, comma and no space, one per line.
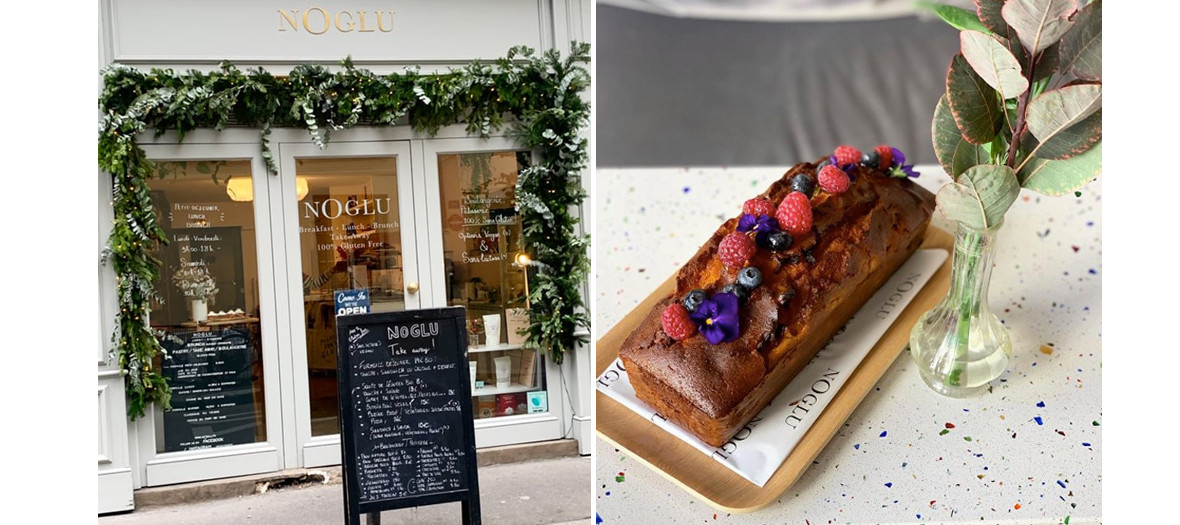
(241,189)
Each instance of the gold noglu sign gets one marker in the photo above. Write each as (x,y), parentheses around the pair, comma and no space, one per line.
(317,21)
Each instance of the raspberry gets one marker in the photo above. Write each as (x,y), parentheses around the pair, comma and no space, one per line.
(886,154)
(794,213)
(758,207)
(677,324)
(735,249)
(833,179)
(846,155)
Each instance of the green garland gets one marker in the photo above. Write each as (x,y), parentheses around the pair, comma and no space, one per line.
(541,93)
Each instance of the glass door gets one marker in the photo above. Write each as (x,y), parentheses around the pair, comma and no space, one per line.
(476,261)
(215,306)
(348,215)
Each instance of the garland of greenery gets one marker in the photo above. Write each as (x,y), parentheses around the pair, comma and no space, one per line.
(541,93)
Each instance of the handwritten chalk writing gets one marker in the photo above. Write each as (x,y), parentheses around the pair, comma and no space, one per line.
(413,330)
(356,333)
(407,413)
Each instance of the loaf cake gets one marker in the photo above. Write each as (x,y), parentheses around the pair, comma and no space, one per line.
(766,292)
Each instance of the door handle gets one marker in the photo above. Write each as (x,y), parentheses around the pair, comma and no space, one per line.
(412,287)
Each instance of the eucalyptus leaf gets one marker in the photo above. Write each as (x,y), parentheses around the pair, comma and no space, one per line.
(1054,111)
(1081,47)
(990,16)
(992,61)
(973,103)
(1012,44)
(1038,23)
(1074,140)
(957,17)
(954,153)
(980,196)
(1048,63)
(1060,177)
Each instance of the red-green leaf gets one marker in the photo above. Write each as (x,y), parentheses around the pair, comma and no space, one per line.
(1048,62)
(1038,23)
(1060,177)
(1055,111)
(980,196)
(1073,140)
(993,62)
(989,14)
(954,153)
(1081,47)
(973,103)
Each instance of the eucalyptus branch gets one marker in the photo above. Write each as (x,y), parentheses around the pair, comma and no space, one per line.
(1021,109)
(534,89)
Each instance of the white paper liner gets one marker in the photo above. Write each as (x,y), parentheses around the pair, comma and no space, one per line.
(762,445)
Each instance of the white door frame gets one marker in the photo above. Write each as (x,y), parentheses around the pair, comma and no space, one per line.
(503,430)
(304,450)
(237,460)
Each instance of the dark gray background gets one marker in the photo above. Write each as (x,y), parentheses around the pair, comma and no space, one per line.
(688,92)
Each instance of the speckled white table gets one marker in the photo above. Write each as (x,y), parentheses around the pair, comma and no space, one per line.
(1028,452)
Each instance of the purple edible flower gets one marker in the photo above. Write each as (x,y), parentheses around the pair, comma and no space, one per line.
(898,157)
(764,225)
(900,168)
(847,167)
(717,318)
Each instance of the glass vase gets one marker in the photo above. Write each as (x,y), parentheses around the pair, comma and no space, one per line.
(959,345)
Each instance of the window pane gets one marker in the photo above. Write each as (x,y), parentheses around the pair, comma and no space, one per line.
(483,258)
(210,309)
(350,239)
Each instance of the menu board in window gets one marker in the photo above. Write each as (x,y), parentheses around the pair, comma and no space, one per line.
(407,431)
(212,389)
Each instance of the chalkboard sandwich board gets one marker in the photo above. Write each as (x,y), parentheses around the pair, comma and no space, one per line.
(407,432)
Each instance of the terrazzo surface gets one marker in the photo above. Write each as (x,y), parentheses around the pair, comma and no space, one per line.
(1027,452)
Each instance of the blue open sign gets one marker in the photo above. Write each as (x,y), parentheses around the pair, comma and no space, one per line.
(350,302)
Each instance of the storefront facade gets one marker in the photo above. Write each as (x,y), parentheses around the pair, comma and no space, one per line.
(406,219)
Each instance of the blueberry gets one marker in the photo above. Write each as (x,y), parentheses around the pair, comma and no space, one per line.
(822,163)
(779,241)
(741,292)
(804,183)
(749,278)
(871,159)
(693,300)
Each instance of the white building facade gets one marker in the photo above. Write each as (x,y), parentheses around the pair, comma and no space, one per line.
(417,221)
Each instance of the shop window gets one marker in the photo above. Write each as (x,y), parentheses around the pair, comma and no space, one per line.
(487,272)
(207,306)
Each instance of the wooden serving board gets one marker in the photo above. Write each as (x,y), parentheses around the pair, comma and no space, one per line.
(711,481)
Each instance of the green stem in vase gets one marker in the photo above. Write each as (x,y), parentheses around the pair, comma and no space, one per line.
(967,305)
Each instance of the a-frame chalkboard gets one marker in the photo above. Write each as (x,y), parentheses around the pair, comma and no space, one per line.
(406,427)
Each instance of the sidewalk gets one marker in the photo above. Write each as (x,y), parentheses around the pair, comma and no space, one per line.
(536,492)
